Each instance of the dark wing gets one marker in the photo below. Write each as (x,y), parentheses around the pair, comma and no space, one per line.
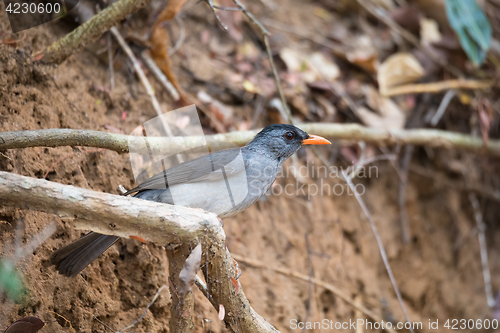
(204,168)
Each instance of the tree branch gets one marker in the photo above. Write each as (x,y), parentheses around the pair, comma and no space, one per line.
(351,132)
(162,224)
(91,30)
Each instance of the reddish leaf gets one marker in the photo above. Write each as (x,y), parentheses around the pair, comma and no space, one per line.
(485,117)
(140,239)
(235,284)
(26,325)
(38,57)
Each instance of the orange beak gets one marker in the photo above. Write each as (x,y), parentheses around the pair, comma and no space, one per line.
(315,140)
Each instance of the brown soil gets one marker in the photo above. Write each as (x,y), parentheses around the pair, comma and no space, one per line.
(437,279)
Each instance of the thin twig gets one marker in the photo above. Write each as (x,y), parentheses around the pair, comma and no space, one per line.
(310,290)
(478,216)
(403,182)
(138,69)
(442,107)
(435,87)
(380,246)
(145,83)
(277,79)
(35,241)
(211,5)
(336,291)
(159,75)
(110,62)
(145,310)
(182,36)
(265,34)
(7,157)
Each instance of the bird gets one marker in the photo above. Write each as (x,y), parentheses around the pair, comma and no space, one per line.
(225,182)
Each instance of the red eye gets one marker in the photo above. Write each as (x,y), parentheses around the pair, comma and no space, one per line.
(290,135)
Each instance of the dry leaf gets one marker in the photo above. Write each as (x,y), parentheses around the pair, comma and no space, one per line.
(399,68)
(485,117)
(29,324)
(363,53)
(220,110)
(389,114)
(429,31)
(292,59)
(328,69)
(250,87)
(312,68)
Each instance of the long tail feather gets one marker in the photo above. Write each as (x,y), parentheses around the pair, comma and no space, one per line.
(73,258)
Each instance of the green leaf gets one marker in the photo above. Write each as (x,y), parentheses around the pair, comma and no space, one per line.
(10,280)
(472,28)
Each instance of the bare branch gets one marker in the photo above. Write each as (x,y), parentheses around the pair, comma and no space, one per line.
(436,87)
(351,132)
(145,311)
(478,216)
(380,244)
(162,224)
(91,30)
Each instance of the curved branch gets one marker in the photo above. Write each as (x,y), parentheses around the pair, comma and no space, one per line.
(350,132)
(162,224)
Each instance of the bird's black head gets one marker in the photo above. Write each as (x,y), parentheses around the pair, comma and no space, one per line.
(282,141)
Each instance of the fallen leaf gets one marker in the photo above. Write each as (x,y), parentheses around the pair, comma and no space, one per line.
(472,27)
(363,53)
(249,86)
(221,111)
(292,59)
(398,69)
(38,57)
(321,13)
(29,324)
(326,67)
(314,67)
(388,115)
(485,117)
(429,31)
